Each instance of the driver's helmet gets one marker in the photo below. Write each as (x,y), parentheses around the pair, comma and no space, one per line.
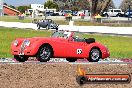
(67,34)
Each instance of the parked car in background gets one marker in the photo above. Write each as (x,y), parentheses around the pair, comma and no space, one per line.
(55,14)
(63,12)
(48,24)
(52,13)
(74,13)
(128,12)
(113,13)
(80,13)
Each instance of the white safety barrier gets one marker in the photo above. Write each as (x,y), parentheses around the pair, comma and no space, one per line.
(95,29)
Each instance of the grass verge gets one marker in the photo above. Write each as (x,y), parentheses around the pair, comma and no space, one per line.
(64,22)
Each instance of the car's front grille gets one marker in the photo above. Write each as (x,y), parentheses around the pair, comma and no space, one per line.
(22,47)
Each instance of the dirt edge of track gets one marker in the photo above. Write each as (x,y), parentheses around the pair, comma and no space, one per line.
(57,75)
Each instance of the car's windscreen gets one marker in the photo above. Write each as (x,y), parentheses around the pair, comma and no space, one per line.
(58,34)
(61,34)
(117,11)
(78,35)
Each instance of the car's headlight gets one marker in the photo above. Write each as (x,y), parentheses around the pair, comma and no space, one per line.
(15,42)
(26,42)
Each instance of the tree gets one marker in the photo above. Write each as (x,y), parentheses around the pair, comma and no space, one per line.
(73,4)
(125,4)
(5,3)
(51,5)
(22,9)
(99,6)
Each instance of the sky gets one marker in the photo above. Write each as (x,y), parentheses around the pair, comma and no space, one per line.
(23,2)
(117,3)
(28,2)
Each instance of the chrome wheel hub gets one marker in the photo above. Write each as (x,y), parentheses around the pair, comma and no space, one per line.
(95,54)
(45,53)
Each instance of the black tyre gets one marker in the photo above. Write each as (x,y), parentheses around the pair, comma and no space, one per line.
(47,27)
(71,59)
(81,80)
(44,53)
(56,28)
(106,15)
(118,15)
(38,26)
(94,55)
(21,58)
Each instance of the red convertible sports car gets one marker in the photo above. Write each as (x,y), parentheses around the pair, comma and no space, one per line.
(62,44)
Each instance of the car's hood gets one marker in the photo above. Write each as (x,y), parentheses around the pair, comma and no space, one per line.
(40,39)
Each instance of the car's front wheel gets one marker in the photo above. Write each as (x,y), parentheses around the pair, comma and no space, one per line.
(21,58)
(44,54)
(47,27)
(94,55)
(118,15)
(71,59)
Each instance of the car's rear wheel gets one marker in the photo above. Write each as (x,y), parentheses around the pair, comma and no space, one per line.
(44,53)
(118,15)
(71,59)
(94,55)
(21,58)
(38,26)
(106,15)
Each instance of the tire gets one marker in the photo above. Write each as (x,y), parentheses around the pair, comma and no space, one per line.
(81,80)
(38,26)
(44,53)
(47,27)
(21,58)
(94,55)
(118,15)
(106,15)
(71,59)
(56,28)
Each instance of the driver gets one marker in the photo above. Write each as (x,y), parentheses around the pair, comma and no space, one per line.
(67,34)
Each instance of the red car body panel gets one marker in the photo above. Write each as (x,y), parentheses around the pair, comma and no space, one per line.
(61,47)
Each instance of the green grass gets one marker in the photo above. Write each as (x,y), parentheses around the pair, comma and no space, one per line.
(63,22)
(7,35)
(14,19)
(120,47)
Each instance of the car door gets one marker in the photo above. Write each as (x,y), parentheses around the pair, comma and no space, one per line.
(66,48)
(76,49)
(43,23)
(61,48)
(111,13)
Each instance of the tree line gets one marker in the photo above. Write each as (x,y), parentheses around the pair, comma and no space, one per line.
(95,6)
